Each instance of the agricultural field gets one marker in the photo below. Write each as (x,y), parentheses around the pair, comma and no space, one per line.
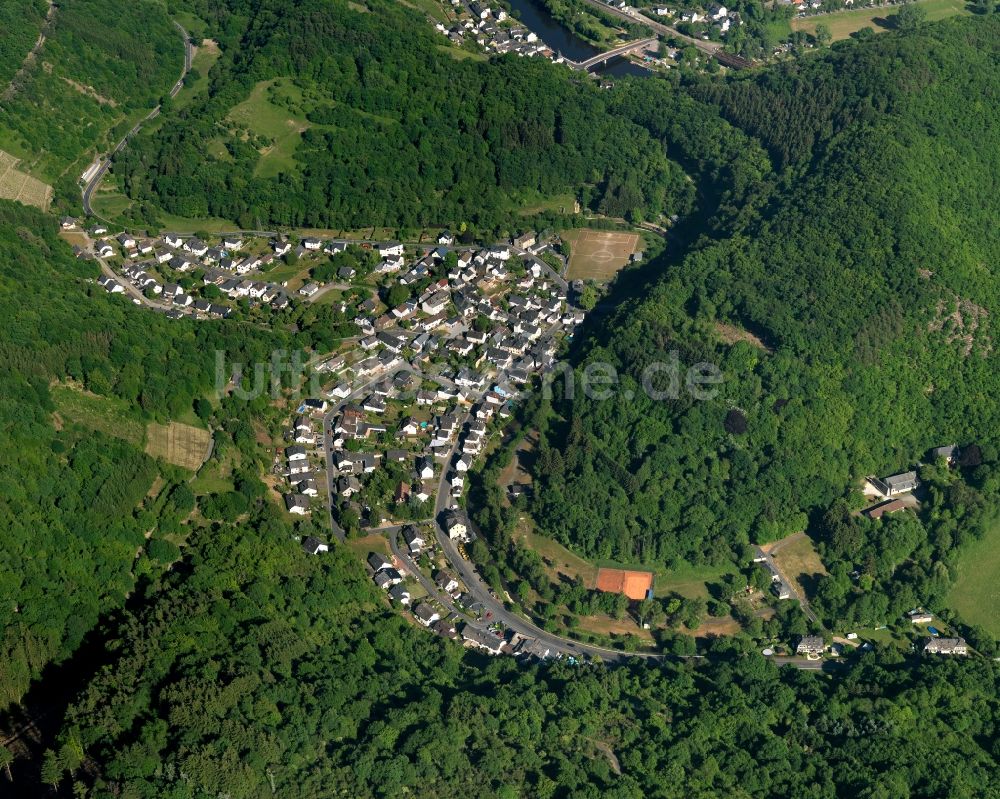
(598,254)
(843,23)
(181,444)
(976,593)
(20,186)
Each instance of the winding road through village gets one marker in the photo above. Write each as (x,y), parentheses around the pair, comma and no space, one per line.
(494,608)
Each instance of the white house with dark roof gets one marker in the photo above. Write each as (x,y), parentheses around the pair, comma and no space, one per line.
(297,504)
(313,546)
(425,614)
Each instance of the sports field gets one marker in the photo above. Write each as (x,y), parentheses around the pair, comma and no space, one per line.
(976,593)
(598,254)
(20,186)
(635,585)
(843,23)
(180,444)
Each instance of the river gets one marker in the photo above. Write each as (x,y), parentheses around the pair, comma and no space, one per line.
(538,20)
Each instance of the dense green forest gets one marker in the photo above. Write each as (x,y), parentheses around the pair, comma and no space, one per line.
(73,514)
(263,672)
(840,275)
(395,131)
(855,295)
(102,61)
(20,22)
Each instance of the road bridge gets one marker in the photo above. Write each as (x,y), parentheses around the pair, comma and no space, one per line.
(603,58)
(713,49)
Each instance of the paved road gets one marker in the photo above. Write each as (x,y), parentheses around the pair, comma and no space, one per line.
(98,176)
(131,290)
(429,585)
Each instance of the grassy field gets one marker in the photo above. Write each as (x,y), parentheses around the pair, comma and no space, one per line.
(108,415)
(180,444)
(109,202)
(206,54)
(265,113)
(212,481)
(598,254)
(779,30)
(432,8)
(843,23)
(976,594)
(369,543)
(531,203)
(285,272)
(799,561)
(462,55)
(330,297)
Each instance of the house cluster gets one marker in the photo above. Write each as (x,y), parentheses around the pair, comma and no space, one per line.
(493,31)
(156,265)
(715,17)
(430,614)
(428,376)
(299,454)
(387,577)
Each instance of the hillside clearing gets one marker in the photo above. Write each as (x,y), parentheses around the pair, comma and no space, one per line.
(108,415)
(843,23)
(976,593)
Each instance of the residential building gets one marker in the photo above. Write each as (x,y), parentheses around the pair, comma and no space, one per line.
(810,645)
(313,546)
(946,646)
(425,614)
(297,504)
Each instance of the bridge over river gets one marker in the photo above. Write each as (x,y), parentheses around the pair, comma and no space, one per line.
(602,58)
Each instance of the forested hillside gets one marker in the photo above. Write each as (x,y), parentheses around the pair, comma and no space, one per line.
(393,130)
(102,61)
(851,313)
(262,672)
(20,21)
(72,517)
